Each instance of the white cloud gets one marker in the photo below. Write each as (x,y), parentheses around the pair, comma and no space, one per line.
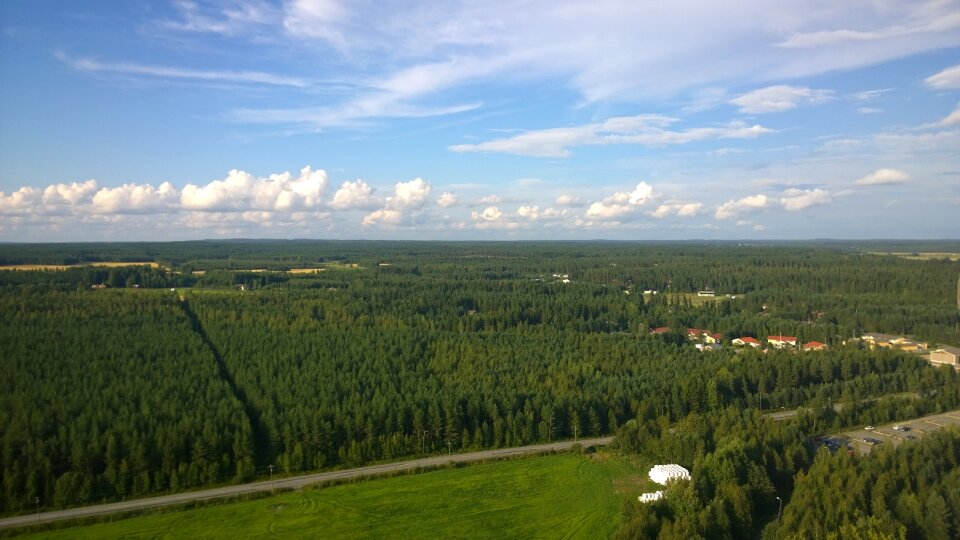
(387,216)
(952,119)
(490,199)
(410,195)
(529,212)
(24,199)
(869,110)
(621,204)
(407,200)
(883,177)
(242,191)
(797,199)
(357,194)
(870,95)
(779,98)
(135,198)
(568,200)
(88,65)
(734,208)
(646,130)
(680,209)
(73,193)
(948,79)
(491,213)
(447,199)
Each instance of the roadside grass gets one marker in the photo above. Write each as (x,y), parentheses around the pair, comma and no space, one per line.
(552,496)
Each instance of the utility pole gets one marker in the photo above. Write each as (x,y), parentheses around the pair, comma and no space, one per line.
(574,432)
(449,447)
(779,508)
(550,432)
(37,500)
(271,475)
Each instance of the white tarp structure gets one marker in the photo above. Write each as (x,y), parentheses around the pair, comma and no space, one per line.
(662,474)
(650,497)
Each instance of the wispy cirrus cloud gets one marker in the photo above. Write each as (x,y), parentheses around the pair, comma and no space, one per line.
(645,130)
(89,65)
(948,79)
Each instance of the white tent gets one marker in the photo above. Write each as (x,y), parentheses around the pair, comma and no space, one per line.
(662,474)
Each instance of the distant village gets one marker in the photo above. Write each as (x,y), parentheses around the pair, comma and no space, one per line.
(706,341)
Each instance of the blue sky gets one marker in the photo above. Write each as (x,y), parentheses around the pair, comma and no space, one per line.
(175,120)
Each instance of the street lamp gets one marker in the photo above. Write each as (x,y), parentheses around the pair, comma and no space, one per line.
(37,500)
(271,475)
(779,508)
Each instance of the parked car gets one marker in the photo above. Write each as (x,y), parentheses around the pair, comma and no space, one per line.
(869,428)
(901,428)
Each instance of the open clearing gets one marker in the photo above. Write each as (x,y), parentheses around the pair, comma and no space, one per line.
(151,264)
(925,255)
(565,495)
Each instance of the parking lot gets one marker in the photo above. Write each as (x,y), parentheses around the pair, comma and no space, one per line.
(863,440)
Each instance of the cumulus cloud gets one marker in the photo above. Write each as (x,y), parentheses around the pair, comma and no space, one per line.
(407,199)
(797,199)
(680,209)
(73,193)
(948,79)
(568,200)
(529,212)
(884,177)
(24,199)
(644,129)
(621,204)
(491,213)
(737,207)
(357,194)
(135,198)
(241,190)
(490,199)
(447,199)
(779,98)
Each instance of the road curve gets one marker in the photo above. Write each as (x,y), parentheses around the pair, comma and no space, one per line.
(295,482)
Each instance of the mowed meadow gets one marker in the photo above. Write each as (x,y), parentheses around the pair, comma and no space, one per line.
(551,496)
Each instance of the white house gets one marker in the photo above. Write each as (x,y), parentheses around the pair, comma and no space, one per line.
(747,340)
(662,474)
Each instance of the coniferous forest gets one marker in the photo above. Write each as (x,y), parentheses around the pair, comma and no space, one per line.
(227,359)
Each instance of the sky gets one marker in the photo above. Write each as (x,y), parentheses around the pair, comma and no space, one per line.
(493,120)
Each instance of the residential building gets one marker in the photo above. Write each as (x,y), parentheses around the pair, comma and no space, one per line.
(946,356)
(747,340)
(779,342)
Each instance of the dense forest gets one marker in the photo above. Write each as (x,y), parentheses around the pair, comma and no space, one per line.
(119,386)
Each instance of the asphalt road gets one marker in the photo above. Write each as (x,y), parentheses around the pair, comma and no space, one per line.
(295,482)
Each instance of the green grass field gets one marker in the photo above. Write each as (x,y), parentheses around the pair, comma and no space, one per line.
(558,496)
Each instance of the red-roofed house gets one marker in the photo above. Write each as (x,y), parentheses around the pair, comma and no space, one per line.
(780,342)
(747,340)
(660,330)
(815,346)
(694,333)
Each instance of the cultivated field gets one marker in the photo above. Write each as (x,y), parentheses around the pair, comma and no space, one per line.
(568,496)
